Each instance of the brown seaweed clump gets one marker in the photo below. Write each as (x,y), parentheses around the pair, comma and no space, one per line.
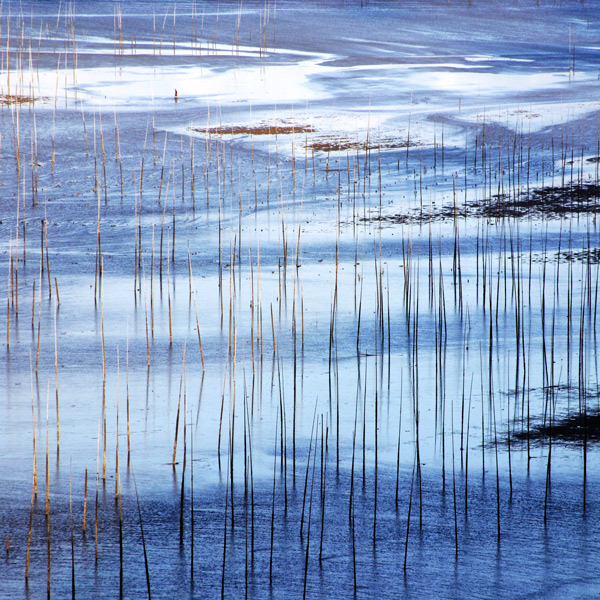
(8,99)
(264,128)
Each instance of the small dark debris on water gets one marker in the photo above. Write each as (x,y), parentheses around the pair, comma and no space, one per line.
(587,255)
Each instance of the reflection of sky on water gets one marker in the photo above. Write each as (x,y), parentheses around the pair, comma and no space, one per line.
(285,83)
(416,347)
(285,75)
(462,82)
(134,87)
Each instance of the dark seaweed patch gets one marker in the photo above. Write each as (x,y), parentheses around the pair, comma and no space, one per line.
(573,428)
(548,203)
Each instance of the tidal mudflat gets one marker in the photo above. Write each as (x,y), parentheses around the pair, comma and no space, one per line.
(299,299)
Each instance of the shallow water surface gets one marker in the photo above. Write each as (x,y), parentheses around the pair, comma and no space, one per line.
(309,327)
